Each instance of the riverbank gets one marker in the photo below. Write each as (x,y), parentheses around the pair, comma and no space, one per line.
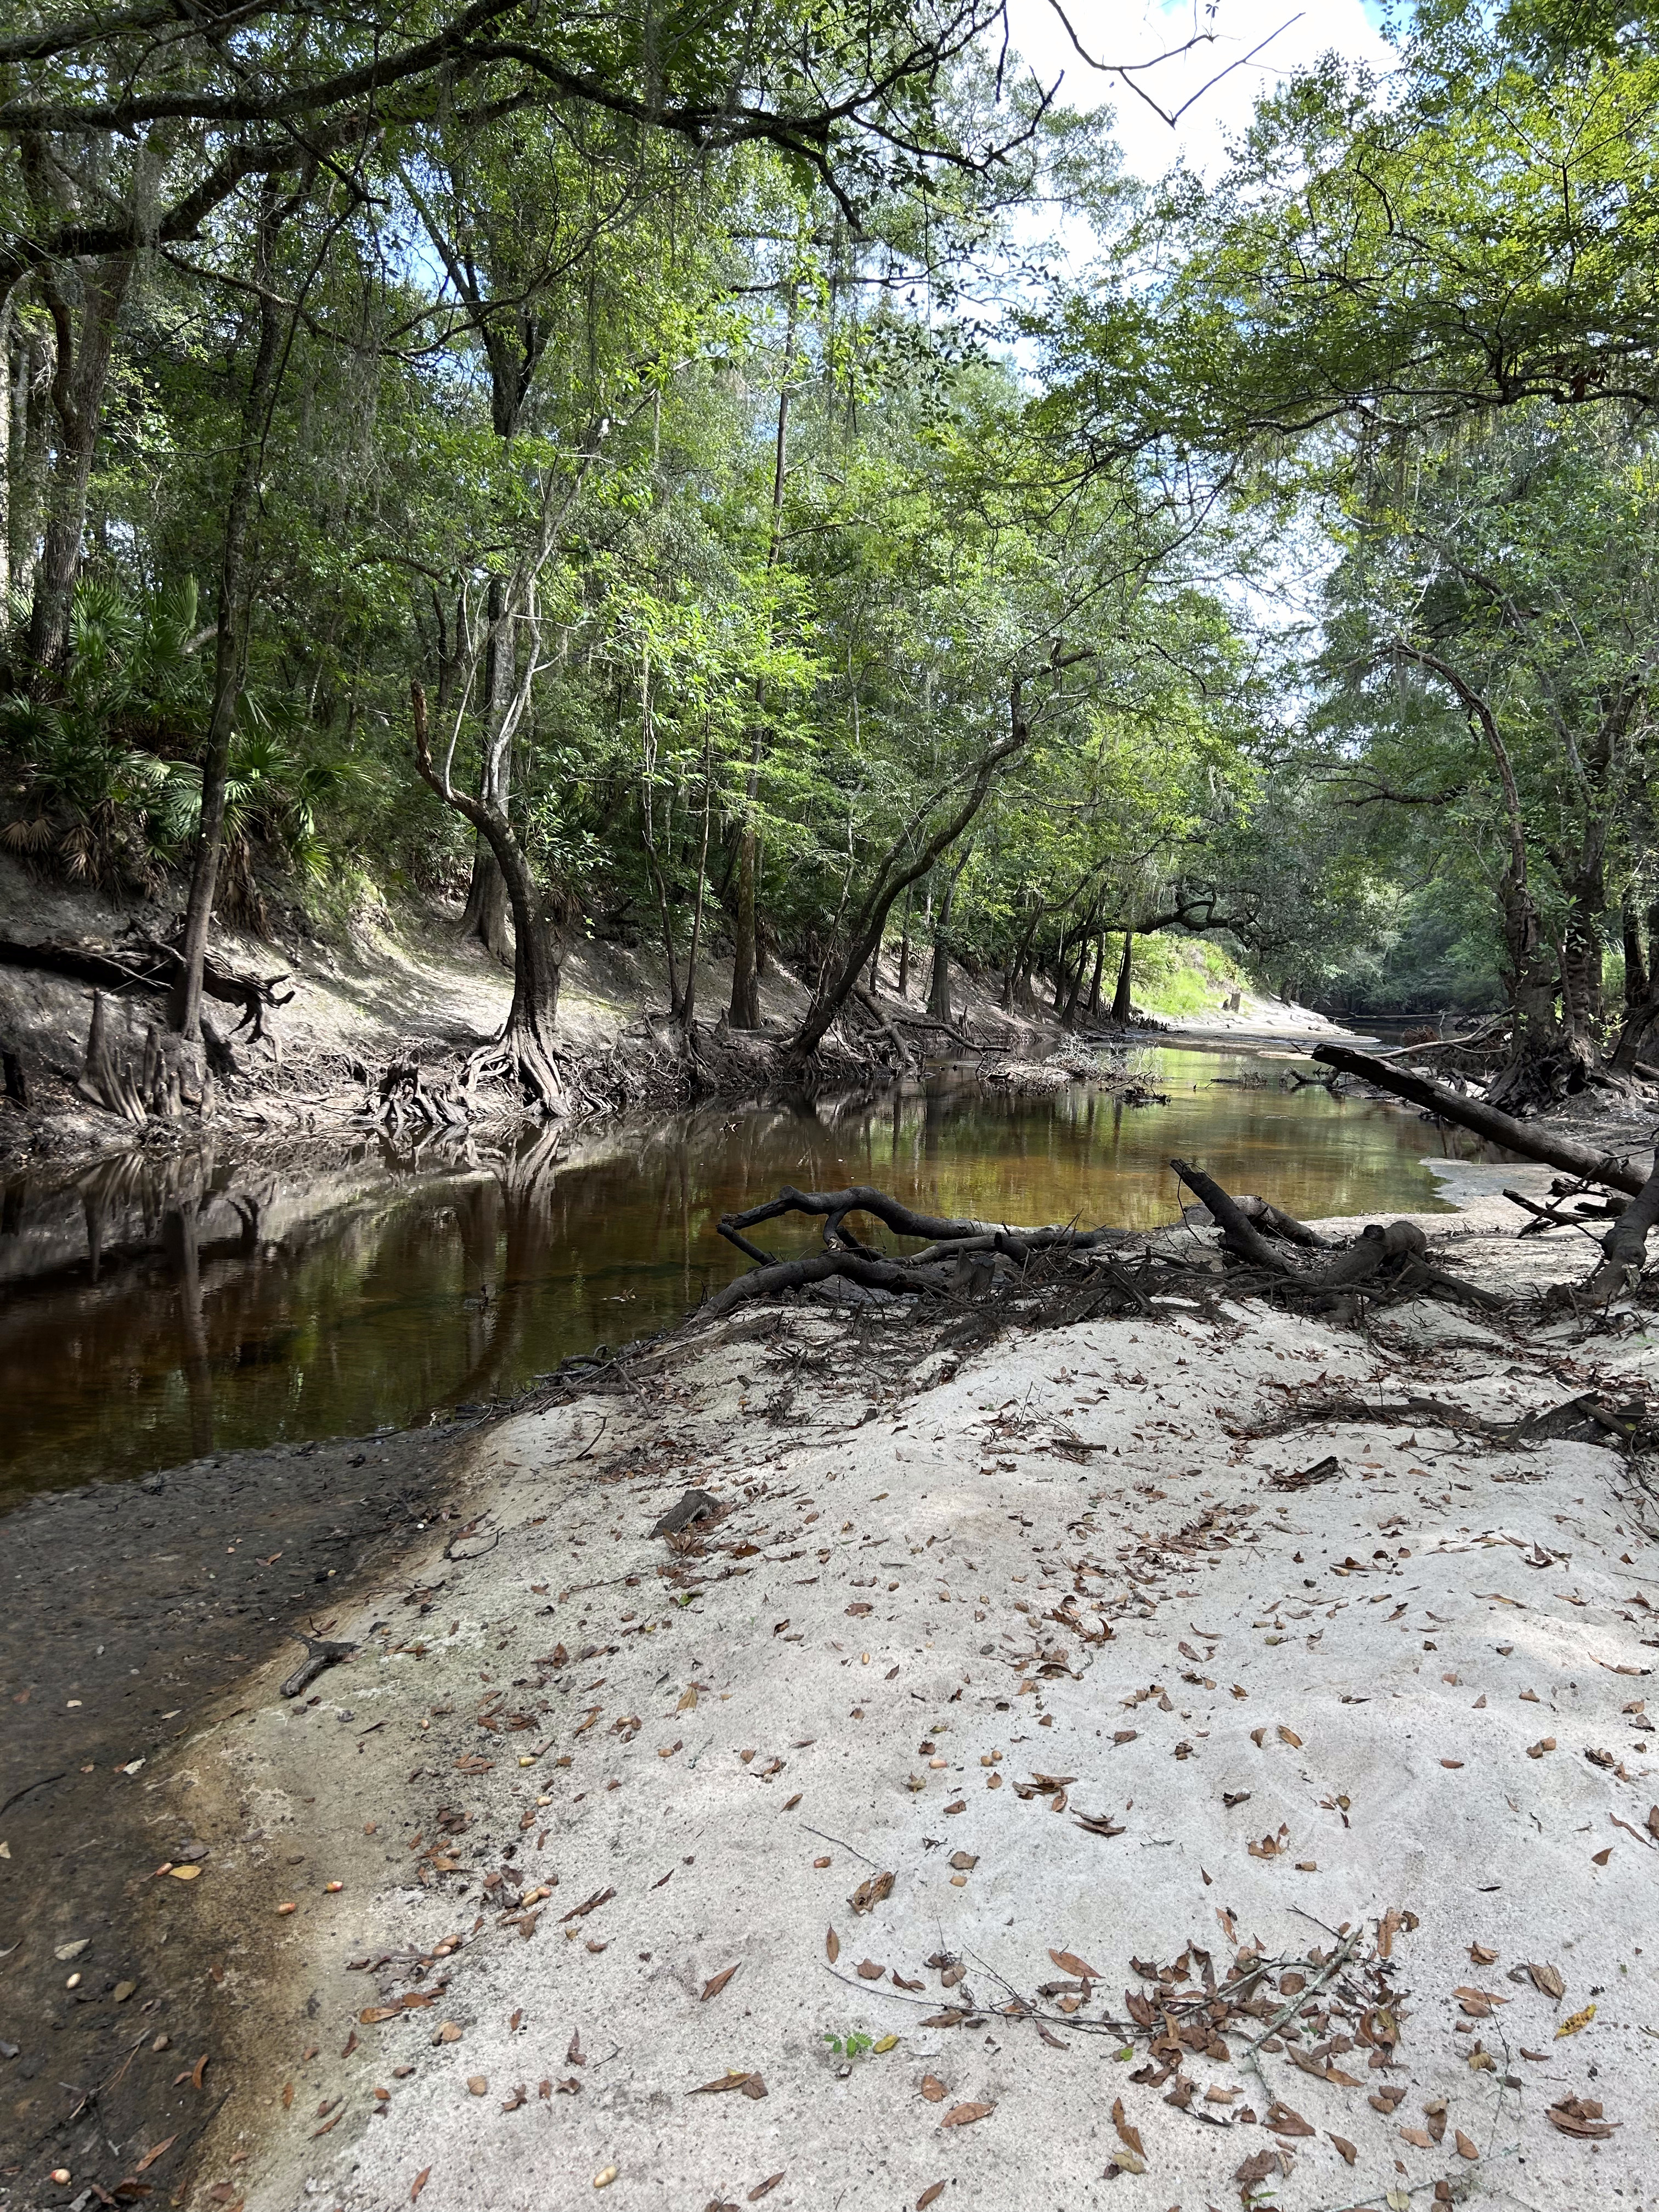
(956,1603)
(397,985)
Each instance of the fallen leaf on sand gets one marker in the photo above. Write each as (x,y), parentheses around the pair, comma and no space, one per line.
(868,1970)
(1285,2122)
(933,2089)
(1580,2115)
(1256,2168)
(1069,1963)
(765,2188)
(1548,1979)
(421,2180)
(1128,2135)
(478,2083)
(750,2084)
(1099,1824)
(929,2195)
(1480,1956)
(964,1861)
(963,2116)
(151,2156)
(1345,2150)
(712,1988)
(832,1947)
(1288,1737)
(287,2096)
(1465,2147)
(871,1892)
(198,2070)
(1571,2024)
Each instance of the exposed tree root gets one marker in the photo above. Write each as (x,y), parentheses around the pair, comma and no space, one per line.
(1058,1274)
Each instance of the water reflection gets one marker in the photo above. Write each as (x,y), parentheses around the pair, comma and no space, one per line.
(154,1309)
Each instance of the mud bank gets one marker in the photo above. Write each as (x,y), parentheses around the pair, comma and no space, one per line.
(1011,1726)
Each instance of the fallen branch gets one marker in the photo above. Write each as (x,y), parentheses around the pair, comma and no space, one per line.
(797,1274)
(1625,1246)
(145,965)
(833,1206)
(1555,1151)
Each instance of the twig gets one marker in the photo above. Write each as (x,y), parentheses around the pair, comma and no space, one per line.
(842,1841)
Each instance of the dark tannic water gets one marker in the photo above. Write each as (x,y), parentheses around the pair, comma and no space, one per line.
(151,1313)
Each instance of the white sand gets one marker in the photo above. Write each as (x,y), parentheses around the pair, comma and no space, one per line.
(1394,1619)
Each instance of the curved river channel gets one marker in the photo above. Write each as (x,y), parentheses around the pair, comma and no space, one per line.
(154,1312)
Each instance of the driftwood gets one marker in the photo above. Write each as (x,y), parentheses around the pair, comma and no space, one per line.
(1625,1247)
(960,1256)
(1523,1137)
(319,1653)
(1395,1249)
(144,964)
(1271,1220)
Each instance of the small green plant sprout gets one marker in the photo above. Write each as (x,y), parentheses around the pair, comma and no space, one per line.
(853,2044)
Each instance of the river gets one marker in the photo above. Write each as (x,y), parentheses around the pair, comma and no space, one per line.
(154,1309)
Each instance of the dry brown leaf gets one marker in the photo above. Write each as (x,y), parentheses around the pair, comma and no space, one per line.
(1069,1963)
(1128,2135)
(421,2180)
(1581,2116)
(933,2089)
(151,2156)
(1480,1956)
(1418,2137)
(198,2070)
(964,1861)
(713,1988)
(1288,1737)
(287,2096)
(931,2195)
(963,2116)
(1548,1979)
(832,1947)
(871,1892)
(1465,2147)
(1345,2150)
(1285,2121)
(765,2188)
(479,2084)
(868,1970)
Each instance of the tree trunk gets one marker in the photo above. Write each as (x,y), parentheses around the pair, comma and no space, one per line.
(1636,966)
(894,875)
(79,376)
(689,1000)
(230,645)
(904,946)
(938,980)
(745,1009)
(1121,1006)
(485,914)
(539,959)
(1094,981)
(744,1012)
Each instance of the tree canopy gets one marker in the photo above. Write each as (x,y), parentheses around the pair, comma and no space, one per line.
(820,503)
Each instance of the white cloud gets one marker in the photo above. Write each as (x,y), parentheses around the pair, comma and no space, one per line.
(1143,28)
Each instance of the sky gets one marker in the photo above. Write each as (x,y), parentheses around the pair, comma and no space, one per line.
(1138,29)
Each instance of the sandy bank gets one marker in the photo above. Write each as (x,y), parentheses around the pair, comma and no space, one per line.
(961,1617)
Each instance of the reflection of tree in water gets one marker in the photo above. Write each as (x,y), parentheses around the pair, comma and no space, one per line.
(156,1307)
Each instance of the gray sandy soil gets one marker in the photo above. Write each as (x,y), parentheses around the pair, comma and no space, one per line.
(1028,1629)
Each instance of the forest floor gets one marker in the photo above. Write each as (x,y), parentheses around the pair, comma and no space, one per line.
(1017,1724)
(390,984)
